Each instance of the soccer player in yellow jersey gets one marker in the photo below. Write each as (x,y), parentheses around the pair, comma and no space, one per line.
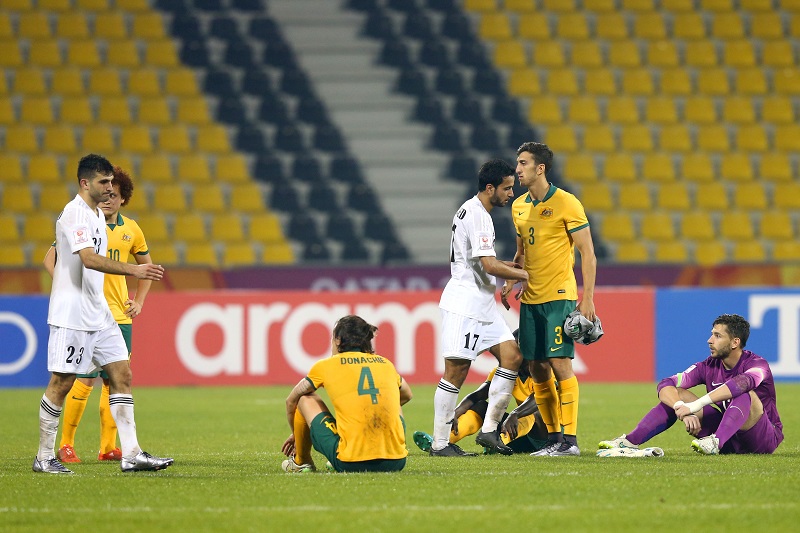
(368,433)
(125,238)
(550,223)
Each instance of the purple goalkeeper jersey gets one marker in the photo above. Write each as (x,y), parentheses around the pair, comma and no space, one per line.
(713,374)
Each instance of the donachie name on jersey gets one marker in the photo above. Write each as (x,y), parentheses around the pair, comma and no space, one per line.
(361,360)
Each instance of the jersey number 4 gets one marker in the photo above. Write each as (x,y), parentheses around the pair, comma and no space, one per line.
(366,385)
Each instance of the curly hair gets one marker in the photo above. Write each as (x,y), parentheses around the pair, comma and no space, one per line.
(125,183)
(355,334)
(738,327)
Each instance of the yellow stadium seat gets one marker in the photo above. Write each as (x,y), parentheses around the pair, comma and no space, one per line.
(697,225)
(752,138)
(72,25)
(201,254)
(624,54)
(17,199)
(766,25)
(44,169)
(246,198)
(562,139)
(777,54)
(34,25)
(600,82)
(548,54)
(520,6)
(638,5)
(92,5)
(675,82)
(597,197)
(545,110)
(713,138)
(787,137)
(751,81)
(712,197)
(36,110)
(524,82)
(584,110)
(161,54)
(12,257)
(98,140)
(786,195)
(710,253)
(148,26)
(776,167)
(105,82)
(658,226)
(21,138)
(674,252)
(174,139)
(123,53)
(638,82)
(678,6)
(110,26)
(650,26)
(581,168)
(778,110)
(238,254)
(697,167)
(480,5)
(701,54)
(662,54)
(586,54)
(77,110)
(635,197)
(620,167)
(278,254)
(794,25)
(658,167)
(689,26)
(132,5)
(559,5)
(661,110)
(193,110)
(30,81)
(673,196)
(10,55)
(599,138)
(154,226)
(7,113)
(83,54)
(786,251)
(756,5)
(9,230)
(6,28)
(495,26)
(154,111)
(11,166)
(3,85)
(776,225)
(622,110)
(68,82)
(600,6)
(136,139)
(54,5)
(736,167)
(194,169)
(534,27)
(727,26)
(208,198)
(713,82)
(721,6)
(750,196)
(611,26)
(637,138)
(232,168)
(156,169)
(144,82)
(213,138)
(618,227)
(700,110)
(170,198)
(787,81)
(573,26)
(510,54)
(632,252)
(114,110)
(265,228)
(739,54)
(181,81)
(739,110)
(60,139)
(736,226)
(227,228)
(39,229)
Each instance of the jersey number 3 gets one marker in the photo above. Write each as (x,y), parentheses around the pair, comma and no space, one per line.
(366,385)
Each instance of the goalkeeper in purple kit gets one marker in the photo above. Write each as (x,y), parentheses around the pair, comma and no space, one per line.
(737,415)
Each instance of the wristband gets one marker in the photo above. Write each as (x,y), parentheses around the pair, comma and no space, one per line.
(678,404)
(699,403)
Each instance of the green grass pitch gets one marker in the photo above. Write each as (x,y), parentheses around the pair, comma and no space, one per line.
(227,476)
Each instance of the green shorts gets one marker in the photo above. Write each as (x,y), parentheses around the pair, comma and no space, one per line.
(127,332)
(326,441)
(541,330)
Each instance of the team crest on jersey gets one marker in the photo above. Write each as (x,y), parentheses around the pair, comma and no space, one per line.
(80,236)
(546,212)
(126,237)
(486,242)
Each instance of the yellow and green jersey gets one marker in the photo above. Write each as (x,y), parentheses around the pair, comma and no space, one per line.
(365,391)
(546,228)
(124,238)
(523,387)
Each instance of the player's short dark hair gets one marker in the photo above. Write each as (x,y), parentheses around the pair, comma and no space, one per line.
(493,172)
(92,164)
(738,327)
(355,334)
(542,155)
(125,183)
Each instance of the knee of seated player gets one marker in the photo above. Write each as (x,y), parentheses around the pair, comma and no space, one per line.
(756,409)
(686,396)
(310,405)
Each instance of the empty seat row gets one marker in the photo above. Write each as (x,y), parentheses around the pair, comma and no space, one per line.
(79,24)
(89,54)
(70,81)
(707,253)
(636,6)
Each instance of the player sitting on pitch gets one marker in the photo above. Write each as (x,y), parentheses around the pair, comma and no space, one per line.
(738,415)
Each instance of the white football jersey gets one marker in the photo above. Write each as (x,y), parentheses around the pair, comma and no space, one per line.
(471,290)
(76,298)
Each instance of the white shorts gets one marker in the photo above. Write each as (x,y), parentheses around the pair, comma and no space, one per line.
(466,338)
(71,351)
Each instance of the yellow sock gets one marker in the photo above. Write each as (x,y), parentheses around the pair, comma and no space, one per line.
(547,399)
(302,440)
(74,405)
(468,424)
(569,393)
(108,428)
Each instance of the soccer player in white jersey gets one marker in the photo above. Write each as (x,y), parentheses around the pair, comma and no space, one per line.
(471,322)
(83,333)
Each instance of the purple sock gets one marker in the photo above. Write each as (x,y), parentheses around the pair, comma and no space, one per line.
(735,416)
(659,419)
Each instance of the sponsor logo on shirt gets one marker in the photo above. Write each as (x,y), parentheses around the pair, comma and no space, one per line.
(486,242)
(80,236)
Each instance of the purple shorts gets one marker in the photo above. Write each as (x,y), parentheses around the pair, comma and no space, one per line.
(763,437)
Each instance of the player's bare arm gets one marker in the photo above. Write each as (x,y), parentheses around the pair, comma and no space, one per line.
(585,246)
(103,264)
(136,304)
(50,260)
(302,388)
(405,392)
(508,286)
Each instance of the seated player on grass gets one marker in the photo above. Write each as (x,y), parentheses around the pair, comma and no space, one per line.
(522,430)
(738,415)
(368,432)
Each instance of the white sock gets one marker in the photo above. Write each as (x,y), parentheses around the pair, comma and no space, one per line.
(49,415)
(499,395)
(444,410)
(122,411)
